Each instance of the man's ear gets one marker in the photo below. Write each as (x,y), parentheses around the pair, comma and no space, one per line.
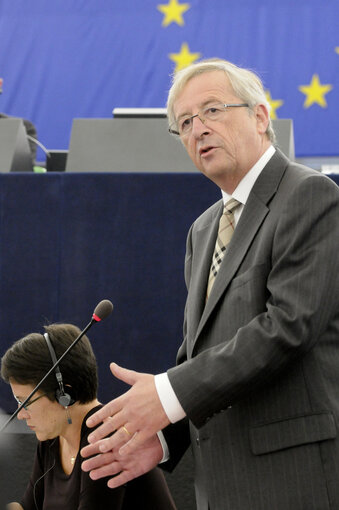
(262,116)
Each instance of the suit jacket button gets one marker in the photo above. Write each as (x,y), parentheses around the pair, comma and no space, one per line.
(197,440)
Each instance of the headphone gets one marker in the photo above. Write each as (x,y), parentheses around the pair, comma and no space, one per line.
(63,398)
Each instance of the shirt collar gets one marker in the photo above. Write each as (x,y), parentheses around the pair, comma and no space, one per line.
(246,184)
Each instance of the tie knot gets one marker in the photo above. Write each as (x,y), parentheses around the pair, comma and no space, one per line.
(231,205)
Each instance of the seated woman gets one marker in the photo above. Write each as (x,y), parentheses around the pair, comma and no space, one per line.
(57,414)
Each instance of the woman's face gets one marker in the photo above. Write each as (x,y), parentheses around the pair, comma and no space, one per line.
(44,417)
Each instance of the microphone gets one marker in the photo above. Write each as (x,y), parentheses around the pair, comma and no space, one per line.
(39,144)
(102,310)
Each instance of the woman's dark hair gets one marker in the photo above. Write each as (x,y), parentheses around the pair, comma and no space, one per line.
(29,359)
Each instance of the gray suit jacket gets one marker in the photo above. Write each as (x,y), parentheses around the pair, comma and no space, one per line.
(258,371)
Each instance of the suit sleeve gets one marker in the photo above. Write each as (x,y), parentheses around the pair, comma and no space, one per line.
(296,292)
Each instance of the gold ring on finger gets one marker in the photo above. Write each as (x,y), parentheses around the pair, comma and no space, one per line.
(127,432)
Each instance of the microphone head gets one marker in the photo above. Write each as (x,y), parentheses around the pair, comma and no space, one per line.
(102,310)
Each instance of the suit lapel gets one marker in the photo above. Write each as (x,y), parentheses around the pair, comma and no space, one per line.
(250,222)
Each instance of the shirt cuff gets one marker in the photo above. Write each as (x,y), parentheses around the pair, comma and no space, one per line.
(168,398)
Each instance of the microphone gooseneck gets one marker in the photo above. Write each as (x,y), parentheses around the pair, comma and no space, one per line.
(39,144)
(102,310)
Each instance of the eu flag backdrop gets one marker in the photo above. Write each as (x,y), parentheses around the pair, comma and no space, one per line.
(61,59)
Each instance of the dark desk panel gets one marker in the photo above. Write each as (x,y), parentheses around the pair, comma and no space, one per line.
(68,241)
(335,178)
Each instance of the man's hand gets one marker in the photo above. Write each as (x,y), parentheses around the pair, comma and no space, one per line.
(134,417)
(123,468)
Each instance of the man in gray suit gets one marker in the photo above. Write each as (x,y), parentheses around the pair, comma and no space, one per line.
(256,388)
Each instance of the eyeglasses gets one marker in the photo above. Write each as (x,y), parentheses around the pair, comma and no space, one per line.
(183,126)
(30,402)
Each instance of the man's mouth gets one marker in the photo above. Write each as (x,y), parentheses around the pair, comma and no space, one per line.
(206,150)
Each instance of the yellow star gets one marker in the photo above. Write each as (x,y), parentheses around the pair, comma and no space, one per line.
(274,103)
(184,58)
(173,12)
(315,92)
(337,50)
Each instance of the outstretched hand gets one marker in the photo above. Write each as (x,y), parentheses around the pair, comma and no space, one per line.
(133,419)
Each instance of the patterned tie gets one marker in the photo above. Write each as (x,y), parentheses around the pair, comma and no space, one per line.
(226,229)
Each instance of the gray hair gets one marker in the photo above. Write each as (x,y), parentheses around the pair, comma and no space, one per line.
(245,83)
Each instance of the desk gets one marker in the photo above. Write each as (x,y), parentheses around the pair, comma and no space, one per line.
(67,241)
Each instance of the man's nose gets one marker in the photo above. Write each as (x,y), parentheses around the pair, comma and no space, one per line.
(198,127)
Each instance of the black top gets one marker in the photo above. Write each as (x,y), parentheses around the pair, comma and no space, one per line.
(50,488)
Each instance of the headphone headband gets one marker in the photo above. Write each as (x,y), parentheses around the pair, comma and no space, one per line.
(63,398)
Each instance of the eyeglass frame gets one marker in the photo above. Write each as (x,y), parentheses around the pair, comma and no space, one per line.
(30,402)
(203,120)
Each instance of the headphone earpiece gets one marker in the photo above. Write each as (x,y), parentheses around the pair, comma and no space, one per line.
(63,398)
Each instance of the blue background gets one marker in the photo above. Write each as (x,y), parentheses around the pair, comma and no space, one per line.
(81,58)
